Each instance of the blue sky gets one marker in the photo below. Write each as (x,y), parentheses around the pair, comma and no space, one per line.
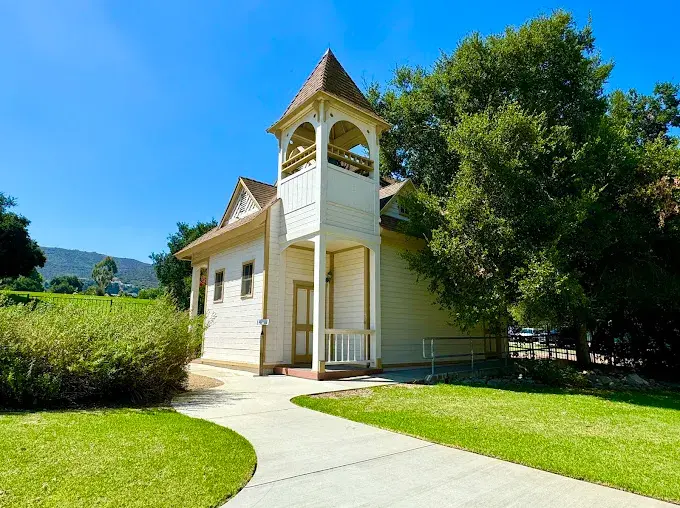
(118,119)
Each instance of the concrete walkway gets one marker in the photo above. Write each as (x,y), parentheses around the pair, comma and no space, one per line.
(306,458)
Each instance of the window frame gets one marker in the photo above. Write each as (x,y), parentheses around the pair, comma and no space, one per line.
(252,278)
(221,298)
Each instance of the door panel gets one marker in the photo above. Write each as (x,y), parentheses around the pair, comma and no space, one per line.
(301,295)
(303,313)
(301,343)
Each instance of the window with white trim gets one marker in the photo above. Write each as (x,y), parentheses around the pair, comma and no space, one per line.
(218,294)
(247,279)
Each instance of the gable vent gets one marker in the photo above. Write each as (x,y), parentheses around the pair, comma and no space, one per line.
(244,206)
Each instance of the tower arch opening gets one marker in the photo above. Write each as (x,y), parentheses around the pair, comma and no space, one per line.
(348,148)
(301,150)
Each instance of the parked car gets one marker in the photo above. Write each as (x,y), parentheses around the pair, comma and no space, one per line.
(527,332)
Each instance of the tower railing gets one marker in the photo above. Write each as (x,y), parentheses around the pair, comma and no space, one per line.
(298,160)
(354,162)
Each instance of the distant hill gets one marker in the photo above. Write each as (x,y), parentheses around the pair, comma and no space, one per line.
(80,263)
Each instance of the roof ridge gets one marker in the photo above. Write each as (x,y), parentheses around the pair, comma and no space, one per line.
(256,181)
(330,76)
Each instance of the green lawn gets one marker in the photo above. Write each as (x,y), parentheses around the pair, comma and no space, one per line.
(630,441)
(119,458)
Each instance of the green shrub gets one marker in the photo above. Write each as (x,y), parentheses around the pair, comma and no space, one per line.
(69,354)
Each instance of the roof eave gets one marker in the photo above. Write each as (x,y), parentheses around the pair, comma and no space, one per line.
(285,120)
(250,222)
(401,187)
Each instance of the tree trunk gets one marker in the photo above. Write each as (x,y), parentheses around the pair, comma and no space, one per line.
(582,348)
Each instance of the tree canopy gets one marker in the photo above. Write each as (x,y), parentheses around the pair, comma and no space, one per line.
(543,199)
(173,274)
(66,284)
(19,255)
(103,273)
(31,282)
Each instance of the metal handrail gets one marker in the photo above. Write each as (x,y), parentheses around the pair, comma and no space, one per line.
(433,356)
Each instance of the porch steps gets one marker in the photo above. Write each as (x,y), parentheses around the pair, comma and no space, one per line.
(308,373)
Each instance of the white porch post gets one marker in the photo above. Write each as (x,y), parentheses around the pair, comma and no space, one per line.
(319,329)
(195,284)
(374,275)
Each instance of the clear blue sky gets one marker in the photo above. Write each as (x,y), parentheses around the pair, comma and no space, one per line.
(118,119)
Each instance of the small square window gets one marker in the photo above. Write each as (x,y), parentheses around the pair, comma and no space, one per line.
(247,279)
(219,286)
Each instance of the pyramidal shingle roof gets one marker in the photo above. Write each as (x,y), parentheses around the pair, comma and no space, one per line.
(330,77)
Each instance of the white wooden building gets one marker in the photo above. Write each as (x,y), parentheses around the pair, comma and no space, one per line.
(317,255)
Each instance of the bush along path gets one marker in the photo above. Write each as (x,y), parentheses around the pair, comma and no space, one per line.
(65,355)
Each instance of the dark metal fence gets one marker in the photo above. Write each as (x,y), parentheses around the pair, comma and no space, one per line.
(93,303)
(549,347)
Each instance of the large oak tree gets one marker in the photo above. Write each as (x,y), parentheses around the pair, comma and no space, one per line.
(543,199)
(19,254)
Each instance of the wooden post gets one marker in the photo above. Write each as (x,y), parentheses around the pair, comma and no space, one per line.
(319,305)
(195,284)
(374,308)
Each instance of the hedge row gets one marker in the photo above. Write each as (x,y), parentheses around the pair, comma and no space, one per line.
(55,355)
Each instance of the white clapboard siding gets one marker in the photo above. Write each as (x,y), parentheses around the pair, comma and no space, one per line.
(348,289)
(299,267)
(407,311)
(350,201)
(392,210)
(297,197)
(351,190)
(350,218)
(232,334)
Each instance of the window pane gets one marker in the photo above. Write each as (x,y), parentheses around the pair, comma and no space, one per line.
(219,285)
(247,287)
(247,280)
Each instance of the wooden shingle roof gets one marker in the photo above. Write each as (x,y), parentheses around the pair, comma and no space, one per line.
(263,193)
(386,192)
(330,77)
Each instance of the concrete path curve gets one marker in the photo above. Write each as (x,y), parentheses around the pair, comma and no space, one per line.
(310,459)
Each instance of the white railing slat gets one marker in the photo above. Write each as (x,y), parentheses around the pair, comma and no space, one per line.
(347,345)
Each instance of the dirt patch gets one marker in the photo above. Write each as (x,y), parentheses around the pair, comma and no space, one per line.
(360,392)
(196,382)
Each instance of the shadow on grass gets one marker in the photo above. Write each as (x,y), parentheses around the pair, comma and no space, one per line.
(182,400)
(664,399)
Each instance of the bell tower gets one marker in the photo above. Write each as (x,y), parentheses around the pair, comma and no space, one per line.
(331,130)
(328,185)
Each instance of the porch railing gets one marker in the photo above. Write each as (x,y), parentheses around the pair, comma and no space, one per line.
(348,345)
